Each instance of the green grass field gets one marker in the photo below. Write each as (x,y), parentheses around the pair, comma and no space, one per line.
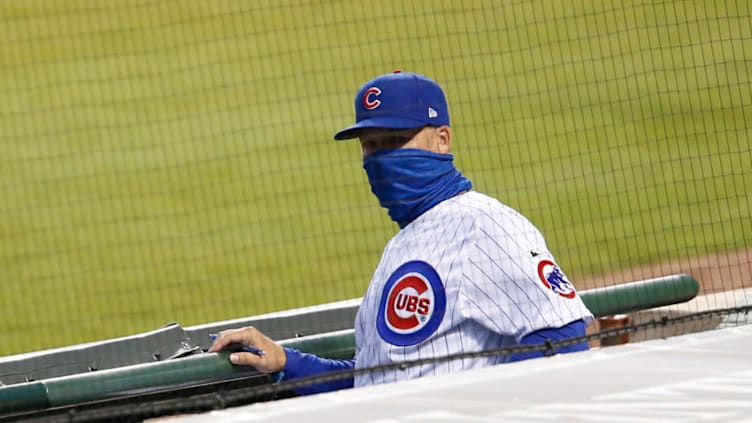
(172,160)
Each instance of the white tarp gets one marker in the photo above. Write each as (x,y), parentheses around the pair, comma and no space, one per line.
(698,377)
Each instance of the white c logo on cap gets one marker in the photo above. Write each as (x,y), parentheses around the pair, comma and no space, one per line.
(367,102)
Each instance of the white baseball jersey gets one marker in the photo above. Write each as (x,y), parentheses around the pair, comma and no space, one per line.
(470,274)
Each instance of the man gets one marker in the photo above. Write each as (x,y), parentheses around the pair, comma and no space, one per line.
(464,273)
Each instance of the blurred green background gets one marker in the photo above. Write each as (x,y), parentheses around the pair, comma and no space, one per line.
(172,160)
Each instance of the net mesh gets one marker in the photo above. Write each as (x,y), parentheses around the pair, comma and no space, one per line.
(172,160)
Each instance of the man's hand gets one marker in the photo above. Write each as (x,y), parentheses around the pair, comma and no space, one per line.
(273,359)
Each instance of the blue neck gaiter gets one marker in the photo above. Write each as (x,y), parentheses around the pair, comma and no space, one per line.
(408,181)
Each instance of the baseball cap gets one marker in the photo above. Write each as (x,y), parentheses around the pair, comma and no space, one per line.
(397,100)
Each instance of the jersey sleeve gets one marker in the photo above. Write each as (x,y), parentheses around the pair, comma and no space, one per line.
(572,330)
(300,364)
(510,282)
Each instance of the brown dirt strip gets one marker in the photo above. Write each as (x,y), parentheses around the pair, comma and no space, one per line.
(715,273)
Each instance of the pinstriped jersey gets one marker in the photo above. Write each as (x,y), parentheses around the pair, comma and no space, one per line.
(470,274)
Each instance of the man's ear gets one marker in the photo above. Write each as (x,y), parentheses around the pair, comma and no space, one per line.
(444,133)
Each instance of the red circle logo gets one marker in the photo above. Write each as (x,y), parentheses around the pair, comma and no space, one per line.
(410,304)
(554,279)
(368,102)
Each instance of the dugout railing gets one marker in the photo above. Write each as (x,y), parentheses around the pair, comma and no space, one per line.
(171,363)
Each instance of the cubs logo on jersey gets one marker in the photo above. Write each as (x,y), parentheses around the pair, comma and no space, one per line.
(412,304)
(554,279)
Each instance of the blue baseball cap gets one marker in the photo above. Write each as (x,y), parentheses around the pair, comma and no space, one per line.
(398,100)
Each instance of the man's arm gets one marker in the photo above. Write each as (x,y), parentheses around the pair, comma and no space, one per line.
(275,359)
(574,329)
(301,364)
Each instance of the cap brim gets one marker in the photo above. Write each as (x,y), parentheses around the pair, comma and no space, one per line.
(353,131)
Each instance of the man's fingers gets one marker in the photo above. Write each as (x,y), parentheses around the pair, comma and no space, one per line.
(220,342)
(245,359)
(272,359)
(233,336)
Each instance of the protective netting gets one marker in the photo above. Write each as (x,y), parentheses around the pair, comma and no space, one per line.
(172,160)
(220,395)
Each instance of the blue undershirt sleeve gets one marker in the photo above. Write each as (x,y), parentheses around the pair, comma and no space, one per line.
(300,364)
(572,330)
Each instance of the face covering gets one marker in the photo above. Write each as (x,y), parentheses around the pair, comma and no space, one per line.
(408,182)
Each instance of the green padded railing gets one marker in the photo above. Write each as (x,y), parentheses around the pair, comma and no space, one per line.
(205,368)
(122,381)
(160,376)
(642,295)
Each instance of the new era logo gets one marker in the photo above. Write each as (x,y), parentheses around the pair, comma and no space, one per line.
(432,113)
